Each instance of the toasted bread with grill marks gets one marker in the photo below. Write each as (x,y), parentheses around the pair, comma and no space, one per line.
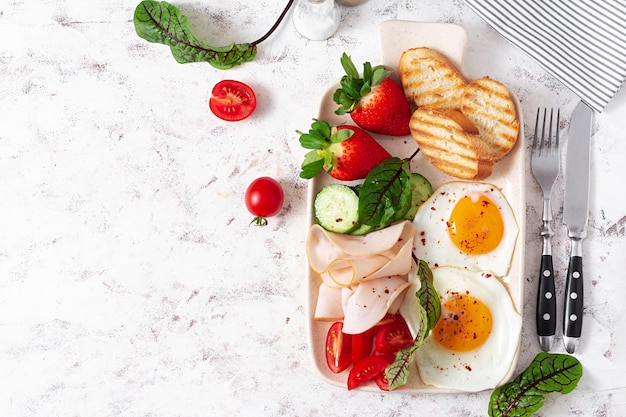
(448,146)
(429,79)
(464,123)
(490,107)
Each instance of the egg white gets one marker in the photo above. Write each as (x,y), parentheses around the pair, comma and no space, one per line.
(488,365)
(432,241)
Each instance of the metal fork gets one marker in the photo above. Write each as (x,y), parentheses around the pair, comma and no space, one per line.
(545,167)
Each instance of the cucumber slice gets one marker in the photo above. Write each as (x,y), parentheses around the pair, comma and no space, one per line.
(362,229)
(336,208)
(421,190)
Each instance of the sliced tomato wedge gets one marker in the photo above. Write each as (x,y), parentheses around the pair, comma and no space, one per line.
(382,381)
(367,369)
(362,345)
(232,100)
(393,336)
(389,318)
(338,348)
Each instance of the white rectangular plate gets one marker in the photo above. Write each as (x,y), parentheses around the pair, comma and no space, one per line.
(508,175)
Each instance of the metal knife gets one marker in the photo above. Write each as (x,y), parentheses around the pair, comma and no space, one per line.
(575,214)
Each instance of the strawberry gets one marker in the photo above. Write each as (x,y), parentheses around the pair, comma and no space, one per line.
(375,102)
(345,152)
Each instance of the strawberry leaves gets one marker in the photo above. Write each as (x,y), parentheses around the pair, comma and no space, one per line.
(353,86)
(318,139)
(345,152)
(374,101)
(548,372)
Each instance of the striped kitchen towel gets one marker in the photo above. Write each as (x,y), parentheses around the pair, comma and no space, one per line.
(582,43)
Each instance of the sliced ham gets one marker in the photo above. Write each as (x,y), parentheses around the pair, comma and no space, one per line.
(343,272)
(329,303)
(371,300)
(345,260)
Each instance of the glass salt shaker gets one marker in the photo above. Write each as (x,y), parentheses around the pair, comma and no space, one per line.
(316,19)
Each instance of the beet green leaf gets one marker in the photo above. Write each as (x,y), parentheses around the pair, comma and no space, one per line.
(160,22)
(430,310)
(548,372)
(385,196)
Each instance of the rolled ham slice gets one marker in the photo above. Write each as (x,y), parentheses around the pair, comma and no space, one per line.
(329,305)
(371,300)
(345,260)
(332,302)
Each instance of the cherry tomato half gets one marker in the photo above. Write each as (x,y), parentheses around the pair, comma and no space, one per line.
(382,381)
(393,336)
(338,348)
(264,198)
(232,100)
(366,369)
(362,344)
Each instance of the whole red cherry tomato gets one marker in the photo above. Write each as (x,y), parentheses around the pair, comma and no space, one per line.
(232,100)
(264,198)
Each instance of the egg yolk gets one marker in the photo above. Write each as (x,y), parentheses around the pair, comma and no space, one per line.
(475,225)
(465,323)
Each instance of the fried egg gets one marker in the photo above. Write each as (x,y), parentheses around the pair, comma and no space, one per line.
(475,341)
(469,225)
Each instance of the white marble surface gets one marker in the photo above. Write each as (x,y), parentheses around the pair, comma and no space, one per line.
(130,281)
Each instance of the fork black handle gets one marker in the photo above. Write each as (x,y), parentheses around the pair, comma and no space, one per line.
(546,300)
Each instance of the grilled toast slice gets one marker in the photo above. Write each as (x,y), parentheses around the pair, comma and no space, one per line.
(429,79)
(464,123)
(448,146)
(490,107)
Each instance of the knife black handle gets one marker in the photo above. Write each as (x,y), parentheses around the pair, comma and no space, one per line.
(573,308)
(546,300)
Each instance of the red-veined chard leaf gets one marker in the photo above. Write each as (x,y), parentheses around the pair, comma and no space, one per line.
(160,22)
(398,372)
(548,372)
(430,310)
(427,294)
(386,193)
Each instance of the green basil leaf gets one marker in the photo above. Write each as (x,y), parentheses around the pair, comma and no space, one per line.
(160,22)
(548,372)
(386,194)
